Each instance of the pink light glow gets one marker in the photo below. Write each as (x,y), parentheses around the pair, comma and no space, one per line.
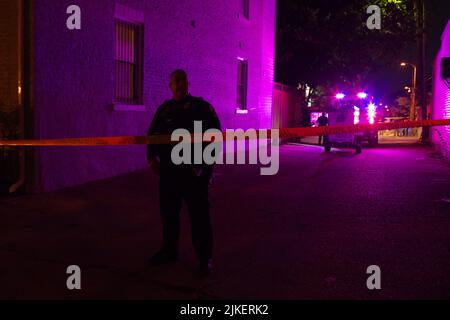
(441,97)
(371,113)
(340,96)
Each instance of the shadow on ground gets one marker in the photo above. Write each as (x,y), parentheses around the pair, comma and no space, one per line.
(309,232)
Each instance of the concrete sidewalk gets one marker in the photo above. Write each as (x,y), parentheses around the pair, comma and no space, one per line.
(309,232)
(382,140)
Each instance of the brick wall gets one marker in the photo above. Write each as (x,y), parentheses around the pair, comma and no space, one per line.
(74,75)
(441,99)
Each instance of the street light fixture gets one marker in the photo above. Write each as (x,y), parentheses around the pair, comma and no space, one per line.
(412,111)
(362,95)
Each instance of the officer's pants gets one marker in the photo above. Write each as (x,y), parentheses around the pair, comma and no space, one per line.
(174,188)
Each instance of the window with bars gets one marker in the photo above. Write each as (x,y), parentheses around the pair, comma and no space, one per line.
(242,80)
(245,8)
(129,49)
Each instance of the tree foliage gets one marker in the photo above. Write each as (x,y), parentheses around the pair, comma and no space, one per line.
(327,42)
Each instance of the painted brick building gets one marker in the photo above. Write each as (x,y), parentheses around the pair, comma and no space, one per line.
(440,108)
(108,78)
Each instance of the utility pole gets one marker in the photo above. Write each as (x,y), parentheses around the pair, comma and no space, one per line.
(412,109)
(421,59)
(413,94)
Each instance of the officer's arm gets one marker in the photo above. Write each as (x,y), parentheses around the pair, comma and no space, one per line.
(153,129)
(213,122)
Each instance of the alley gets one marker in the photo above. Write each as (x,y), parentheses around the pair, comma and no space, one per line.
(309,232)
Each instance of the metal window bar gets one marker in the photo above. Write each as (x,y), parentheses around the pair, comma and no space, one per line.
(245,8)
(129,63)
(242,83)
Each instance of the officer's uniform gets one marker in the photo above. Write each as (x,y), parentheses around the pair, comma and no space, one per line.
(322,121)
(188,182)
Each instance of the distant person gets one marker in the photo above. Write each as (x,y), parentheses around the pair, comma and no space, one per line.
(182,182)
(322,121)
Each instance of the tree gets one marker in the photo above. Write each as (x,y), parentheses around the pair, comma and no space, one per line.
(327,43)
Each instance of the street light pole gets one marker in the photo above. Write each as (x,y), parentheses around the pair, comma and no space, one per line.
(421,58)
(412,109)
(413,93)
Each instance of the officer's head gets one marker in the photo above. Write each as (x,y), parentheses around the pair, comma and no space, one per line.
(179,84)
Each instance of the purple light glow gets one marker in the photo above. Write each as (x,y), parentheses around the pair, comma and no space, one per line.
(340,96)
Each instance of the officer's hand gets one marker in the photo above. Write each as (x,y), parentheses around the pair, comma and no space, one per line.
(155,165)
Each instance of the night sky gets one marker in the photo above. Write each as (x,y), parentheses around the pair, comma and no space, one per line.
(392,79)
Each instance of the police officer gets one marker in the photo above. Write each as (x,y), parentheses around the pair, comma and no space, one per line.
(322,121)
(186,182)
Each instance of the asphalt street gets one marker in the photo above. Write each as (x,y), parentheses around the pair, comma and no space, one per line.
(309,232)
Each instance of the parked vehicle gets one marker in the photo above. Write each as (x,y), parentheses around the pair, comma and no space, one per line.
(349,112)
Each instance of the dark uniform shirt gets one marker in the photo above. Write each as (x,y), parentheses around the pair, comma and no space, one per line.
(322,121)
(173,115)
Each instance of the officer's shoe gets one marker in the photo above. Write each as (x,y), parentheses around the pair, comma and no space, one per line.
(205,268)
(162,257)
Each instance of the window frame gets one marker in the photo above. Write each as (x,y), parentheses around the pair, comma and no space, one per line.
(244,9)
(135,103)
(242,88)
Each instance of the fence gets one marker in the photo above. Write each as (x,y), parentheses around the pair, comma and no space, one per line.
(286,110)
